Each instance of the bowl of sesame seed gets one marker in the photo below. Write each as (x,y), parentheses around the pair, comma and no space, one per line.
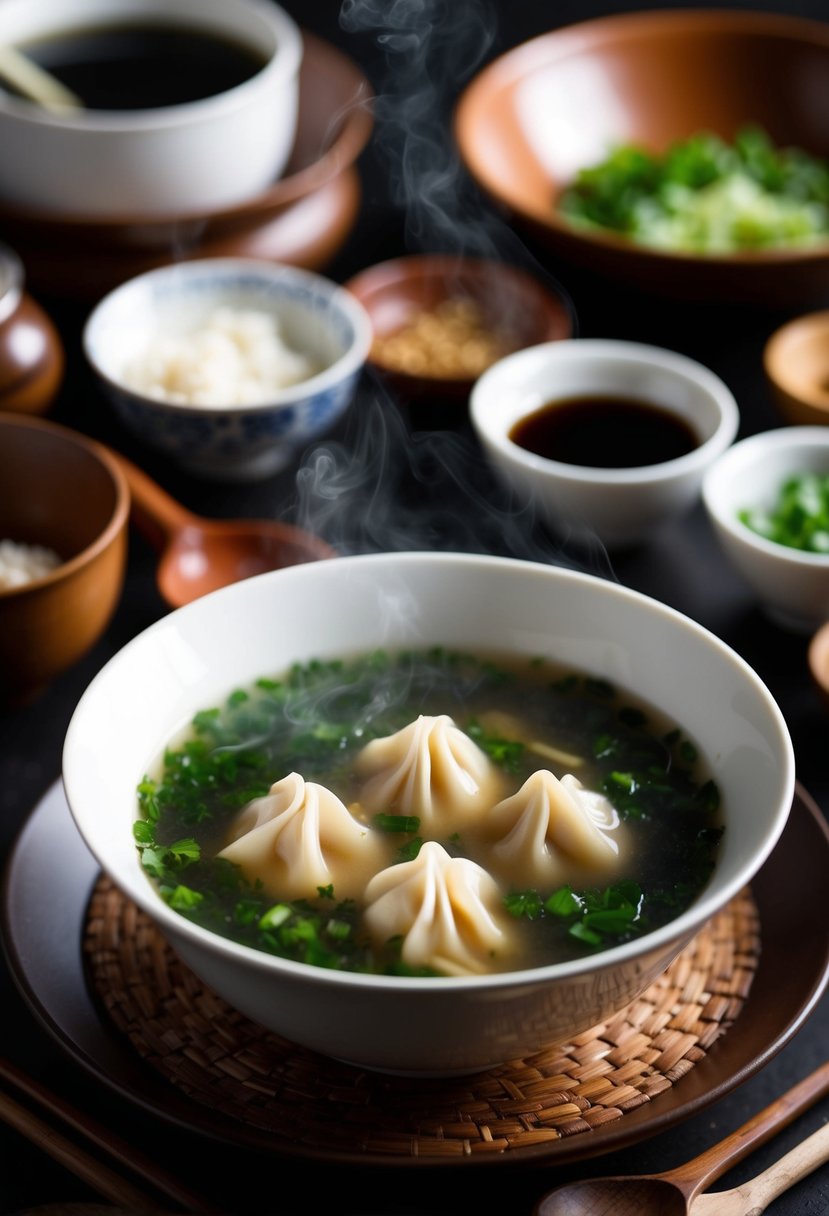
(440,320)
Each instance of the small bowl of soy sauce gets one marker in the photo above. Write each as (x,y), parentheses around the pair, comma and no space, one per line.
(608,439)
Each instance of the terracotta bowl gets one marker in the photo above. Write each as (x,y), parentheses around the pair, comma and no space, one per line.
(511,309)
(556,104)
(818,656)
(796,363)
(32,357)
(302,218)
(61,491)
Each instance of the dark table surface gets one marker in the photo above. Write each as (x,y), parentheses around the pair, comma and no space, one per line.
(426,474)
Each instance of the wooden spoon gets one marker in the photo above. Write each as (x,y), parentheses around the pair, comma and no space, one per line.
(199,555)
(673,1193)
(34,82)
(754,1196)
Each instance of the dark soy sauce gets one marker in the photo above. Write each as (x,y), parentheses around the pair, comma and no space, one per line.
(141,66)
(604,432)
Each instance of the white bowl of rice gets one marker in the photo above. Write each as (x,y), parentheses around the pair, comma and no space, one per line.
(229,366)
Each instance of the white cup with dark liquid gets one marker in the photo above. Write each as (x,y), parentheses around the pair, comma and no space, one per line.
(186,107)
(607,439)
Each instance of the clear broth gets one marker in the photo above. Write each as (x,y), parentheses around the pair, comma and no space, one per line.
(316,719)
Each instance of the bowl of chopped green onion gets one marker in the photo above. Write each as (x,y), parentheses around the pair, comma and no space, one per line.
(653,148)
(767,498)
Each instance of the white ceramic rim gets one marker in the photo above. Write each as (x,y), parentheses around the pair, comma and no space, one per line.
(284,62)
(740,456)
(683,926)
(340,300)
(587,351)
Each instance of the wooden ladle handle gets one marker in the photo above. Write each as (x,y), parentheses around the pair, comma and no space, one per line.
(758,1193)
(694,1175)
(156,514)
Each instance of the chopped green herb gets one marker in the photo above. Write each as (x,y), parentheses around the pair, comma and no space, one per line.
(524,903)
(183,899)
(317,717)
(505,752)
(706,195)
(562,903)
(410,850)
(397,823)
(275,916)
(799,516)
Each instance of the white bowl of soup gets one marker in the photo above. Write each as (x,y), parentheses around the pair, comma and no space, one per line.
(165,107)
(609,440)
(406,774)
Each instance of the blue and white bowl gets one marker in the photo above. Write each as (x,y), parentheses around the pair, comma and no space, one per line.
(236,442)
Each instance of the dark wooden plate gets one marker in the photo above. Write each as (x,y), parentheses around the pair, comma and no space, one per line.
(50,855)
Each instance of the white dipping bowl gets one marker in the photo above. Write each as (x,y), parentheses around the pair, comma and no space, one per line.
(193,658)
(192,157)
(791,585)
(619,506)
(231,442)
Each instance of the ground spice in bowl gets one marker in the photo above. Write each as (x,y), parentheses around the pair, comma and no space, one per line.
(451,340)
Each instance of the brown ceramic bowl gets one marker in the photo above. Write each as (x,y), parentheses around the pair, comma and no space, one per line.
(302,219)
(796,363)
(818,656)
(556,104)
(510,309)
(32,359)
(62,491)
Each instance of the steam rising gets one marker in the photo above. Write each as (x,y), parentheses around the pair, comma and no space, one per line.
(384,486)
(430,48)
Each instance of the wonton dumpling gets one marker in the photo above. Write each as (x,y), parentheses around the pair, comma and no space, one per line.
(448,910)
(550,826)
(300,836)
(431,769)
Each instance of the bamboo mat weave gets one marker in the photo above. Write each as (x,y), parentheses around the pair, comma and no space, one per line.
(306,1102)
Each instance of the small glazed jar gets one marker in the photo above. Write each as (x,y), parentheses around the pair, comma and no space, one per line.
(32,358)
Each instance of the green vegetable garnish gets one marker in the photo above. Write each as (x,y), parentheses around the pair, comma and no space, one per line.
(317,718)
(397,823)
(705,195)
(505,752)
(799,517)
(592,917)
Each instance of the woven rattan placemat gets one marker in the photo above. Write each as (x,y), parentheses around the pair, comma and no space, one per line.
(256,1080)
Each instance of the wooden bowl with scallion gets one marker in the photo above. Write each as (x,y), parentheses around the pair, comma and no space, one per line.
(683,153)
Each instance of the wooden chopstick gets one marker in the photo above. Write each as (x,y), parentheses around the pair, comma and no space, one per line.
(100,1176)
